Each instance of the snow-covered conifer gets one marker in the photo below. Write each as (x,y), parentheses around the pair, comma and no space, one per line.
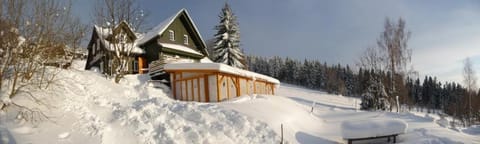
(227,40)
(375,97)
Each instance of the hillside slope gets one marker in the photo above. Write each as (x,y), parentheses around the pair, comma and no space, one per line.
(292,104)
(88,108)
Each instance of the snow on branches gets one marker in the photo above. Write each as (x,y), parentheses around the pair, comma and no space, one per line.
(227,40)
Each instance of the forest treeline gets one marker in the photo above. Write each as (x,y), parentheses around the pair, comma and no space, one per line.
(425,93)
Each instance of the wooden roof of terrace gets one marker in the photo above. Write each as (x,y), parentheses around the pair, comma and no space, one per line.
(218,67)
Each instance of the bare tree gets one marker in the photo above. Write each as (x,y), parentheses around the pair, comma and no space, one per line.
(371,59)
(109,14)
(470,81)
(393,41)
(33,37)
(392,55)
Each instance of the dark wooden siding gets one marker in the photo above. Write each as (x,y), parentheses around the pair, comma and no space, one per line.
(180,28)
(152,51)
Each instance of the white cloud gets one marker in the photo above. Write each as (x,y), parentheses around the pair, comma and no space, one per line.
(440,48)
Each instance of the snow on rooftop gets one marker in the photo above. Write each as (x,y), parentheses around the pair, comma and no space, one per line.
(219,67)
(102,32)
(128,46)
(160,28)
(180,48)
(372,128)
(157,30)
(206,60)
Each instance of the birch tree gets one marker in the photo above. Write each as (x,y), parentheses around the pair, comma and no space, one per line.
(393,41)
(470,82)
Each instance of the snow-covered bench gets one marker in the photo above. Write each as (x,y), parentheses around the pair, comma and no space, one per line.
(355,130)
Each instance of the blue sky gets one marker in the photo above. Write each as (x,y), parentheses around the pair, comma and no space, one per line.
(444,33)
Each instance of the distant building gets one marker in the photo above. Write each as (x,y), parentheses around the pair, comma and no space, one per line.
(176,39)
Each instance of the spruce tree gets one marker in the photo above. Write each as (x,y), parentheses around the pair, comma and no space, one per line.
(227,40)
(375,97)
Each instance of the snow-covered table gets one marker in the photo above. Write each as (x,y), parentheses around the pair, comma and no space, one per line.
(353,130)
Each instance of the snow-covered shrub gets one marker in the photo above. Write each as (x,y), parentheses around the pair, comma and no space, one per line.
(375,97)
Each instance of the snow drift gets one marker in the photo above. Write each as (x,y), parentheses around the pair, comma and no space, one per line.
(92,109)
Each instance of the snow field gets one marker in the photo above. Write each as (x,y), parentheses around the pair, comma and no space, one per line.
(276,110)
(292,105)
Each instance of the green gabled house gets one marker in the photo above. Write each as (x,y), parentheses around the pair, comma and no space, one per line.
(176,39)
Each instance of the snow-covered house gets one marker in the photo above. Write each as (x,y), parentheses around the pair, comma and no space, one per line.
(215,82)
(104,45)
(176,39)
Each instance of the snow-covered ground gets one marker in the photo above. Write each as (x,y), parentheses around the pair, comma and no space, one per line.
(292,104)
(88,108)
(85,107)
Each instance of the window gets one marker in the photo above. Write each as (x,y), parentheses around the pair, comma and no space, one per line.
(135,66)
(185,39)
(171,35)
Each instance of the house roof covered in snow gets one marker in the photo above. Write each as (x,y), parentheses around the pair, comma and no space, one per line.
(220,68)
(160,28)
(139,39)
(122,47)
(132,47)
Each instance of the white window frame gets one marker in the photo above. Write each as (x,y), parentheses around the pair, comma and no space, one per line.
(185,39)
(171,35)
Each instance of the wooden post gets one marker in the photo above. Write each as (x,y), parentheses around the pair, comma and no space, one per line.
(186,89)
(174,84)
(198,90)
(281,131)
(254,87)
(191,90)
(207,88)
(237,86)
(218,89)
(140,65)
(248,86)
(181,87)
(228,87)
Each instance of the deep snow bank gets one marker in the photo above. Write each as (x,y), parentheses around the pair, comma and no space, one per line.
(88,108)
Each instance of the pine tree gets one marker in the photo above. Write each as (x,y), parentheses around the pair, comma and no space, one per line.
(227,44)
(375,97)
